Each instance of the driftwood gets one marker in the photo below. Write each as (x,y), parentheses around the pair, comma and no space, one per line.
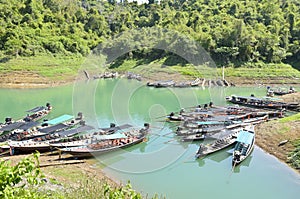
(226,83)
(203,83)
(63,163)
(283,142)
(86,74)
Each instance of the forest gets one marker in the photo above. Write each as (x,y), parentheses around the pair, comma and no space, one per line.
(232,32)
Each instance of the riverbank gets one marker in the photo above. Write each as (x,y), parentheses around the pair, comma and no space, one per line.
(21,80)
(270,134)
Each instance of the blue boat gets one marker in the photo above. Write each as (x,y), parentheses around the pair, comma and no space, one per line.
(245,144)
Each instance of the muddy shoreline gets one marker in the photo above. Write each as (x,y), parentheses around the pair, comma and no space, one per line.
(29,80)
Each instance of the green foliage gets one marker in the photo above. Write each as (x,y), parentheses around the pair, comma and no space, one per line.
(18,181)
(295,117)
(234,33)
(294,156)
(122,192)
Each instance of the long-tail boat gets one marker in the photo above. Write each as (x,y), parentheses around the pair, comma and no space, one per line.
(104,146)
(244,146)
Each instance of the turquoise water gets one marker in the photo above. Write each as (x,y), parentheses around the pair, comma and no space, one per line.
(163,164)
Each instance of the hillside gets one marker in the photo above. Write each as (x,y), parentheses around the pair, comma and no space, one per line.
(241,35)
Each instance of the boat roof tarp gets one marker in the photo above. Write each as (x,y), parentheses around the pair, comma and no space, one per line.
(12,126)
(111,136)
(124,126)
(221,134)
(28,125)
(51,129)
(73,131)
(245,137)
(59,119)
(36,109)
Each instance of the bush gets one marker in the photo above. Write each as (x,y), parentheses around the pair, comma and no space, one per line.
(18,181)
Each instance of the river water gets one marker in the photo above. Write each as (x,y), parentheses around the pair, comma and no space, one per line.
(162,165)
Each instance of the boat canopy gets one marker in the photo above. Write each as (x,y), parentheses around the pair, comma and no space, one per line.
(36,109)
(74,131)
(111,136)
(124,126)
(59,119)
(28,125)
(54,128)
(245,137)
(12,126)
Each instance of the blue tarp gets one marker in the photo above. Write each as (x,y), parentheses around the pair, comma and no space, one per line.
(59,119)
(245,137)
(111,136)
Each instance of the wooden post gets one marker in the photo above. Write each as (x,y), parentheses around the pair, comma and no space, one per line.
(59,154)
(223,73)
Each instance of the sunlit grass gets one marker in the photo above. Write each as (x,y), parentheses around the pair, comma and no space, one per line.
(291,118)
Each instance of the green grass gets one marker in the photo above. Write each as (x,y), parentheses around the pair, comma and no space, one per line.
(158,66)
(54,67)
(61,67)
(69,175)
(262,70)
(294,156)
(291,118)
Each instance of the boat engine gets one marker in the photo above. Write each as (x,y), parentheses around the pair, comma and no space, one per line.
(8,120)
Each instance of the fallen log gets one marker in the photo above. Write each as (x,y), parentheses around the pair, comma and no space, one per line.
(283,142)
(62,163)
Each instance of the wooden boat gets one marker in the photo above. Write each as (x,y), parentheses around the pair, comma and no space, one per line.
(182,84)
(196,82)
(203,124)
(195,137)
(30,130)
(261,103)
(105,146)
(27,146)
(244,146)
(38,113)
(131,75)
(33,115)
(284,91)
(107,75)
(218,144)
(42,143)
(163,84)
(88,138)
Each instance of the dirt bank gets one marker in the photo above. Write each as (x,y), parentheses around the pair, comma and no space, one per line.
(270,134)
(26,79)
(65,173)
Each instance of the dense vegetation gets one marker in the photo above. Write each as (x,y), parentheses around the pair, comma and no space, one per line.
(233,32)
(24,180)
(18,181)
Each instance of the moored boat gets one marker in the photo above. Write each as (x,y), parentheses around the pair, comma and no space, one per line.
(108,145)
(195,137)
(219,144)
(244,146)
(261,103)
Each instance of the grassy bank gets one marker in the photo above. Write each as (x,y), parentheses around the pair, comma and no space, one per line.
(270,134)
(55,68)
(49,69)
(294,155)
(283,72)
(64,181)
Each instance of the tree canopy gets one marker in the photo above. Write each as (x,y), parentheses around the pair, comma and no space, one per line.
(232,32)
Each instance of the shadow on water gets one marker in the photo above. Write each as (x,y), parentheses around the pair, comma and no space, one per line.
(245,163)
